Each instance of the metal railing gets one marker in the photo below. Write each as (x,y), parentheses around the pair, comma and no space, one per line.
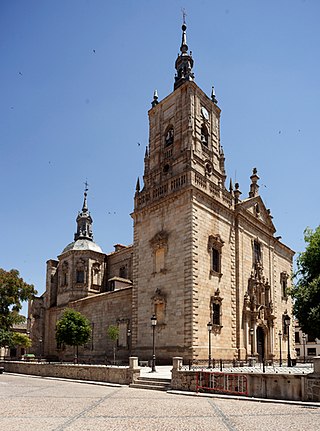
(225,364)
(224,383)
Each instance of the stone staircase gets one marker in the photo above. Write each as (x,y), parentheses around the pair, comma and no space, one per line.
(153,383)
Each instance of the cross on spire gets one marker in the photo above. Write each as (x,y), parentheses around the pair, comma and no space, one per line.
(184,14)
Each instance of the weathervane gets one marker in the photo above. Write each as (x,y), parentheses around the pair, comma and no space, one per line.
(86,186)
(184,14)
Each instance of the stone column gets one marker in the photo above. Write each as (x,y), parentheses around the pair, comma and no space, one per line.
(134,370)
(133,362)
(271,333)
(177,363)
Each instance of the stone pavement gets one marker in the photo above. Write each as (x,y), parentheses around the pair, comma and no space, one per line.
(33,403)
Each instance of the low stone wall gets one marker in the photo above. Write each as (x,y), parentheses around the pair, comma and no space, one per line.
(295,387)
(275,386)
(99,373)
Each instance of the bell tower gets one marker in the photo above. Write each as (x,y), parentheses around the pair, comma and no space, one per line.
(184,175)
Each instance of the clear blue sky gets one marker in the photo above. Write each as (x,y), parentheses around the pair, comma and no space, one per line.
(77,78)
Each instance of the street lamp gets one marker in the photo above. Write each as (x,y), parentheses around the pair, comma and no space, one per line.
(209,326)
(154,324)
(28,335)
(280,338)
(287,324)
(304,347)
(129,341)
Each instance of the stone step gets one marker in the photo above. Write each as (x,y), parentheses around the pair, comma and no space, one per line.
(154,379)
(149,387)
(151,383)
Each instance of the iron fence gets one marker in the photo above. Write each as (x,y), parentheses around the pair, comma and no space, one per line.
(225,364)
(224,383)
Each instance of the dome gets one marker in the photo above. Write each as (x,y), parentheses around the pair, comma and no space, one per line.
(82,244)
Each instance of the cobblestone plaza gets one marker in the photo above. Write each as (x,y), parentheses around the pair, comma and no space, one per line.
(32,403)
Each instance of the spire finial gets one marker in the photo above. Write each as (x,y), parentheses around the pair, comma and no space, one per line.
(84,206)
(84,220)
(184,62)
(237,193)
(155,99)
(138,185)
(254,186)
(213,96)
(231,186)
(184,46)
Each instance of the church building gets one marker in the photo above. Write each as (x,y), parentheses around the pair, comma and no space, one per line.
(202,252)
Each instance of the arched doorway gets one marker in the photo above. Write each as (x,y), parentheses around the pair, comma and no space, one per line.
(260,343)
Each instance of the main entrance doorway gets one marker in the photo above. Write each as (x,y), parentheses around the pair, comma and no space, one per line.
(260,343)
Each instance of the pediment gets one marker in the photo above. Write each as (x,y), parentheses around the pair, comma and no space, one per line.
(256,209)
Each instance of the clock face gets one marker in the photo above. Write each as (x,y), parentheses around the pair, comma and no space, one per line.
(205,113)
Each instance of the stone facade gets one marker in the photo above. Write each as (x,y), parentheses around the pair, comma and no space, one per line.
(200,253)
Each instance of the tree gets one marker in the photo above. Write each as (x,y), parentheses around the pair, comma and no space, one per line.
(5,338)
(306,291)
(21,340)
(73,329)
(113,334)
(13,291)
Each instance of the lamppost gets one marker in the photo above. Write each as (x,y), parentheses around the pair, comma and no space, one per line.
(129,341)
(28,335)
(287,323)
(154,324)
(304,347)
(280,359)
(209,326)
(251,337)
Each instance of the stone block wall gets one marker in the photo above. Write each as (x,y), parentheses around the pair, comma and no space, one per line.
(100,373)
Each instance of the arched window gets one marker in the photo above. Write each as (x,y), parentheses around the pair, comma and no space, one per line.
(204,136)
(80,276)
(169,136)
(215,245)
(159,259)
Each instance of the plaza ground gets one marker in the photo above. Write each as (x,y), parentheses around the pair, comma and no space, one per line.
(33,403)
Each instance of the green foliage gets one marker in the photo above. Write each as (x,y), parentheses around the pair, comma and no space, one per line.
(73,328)
(306,291)
(21,340)
(113,333)
(6,338)
(13,291)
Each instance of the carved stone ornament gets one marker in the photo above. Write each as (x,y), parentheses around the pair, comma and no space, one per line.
(80,265)
(215,241)
(160,240)
(65,266)
(96,267)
